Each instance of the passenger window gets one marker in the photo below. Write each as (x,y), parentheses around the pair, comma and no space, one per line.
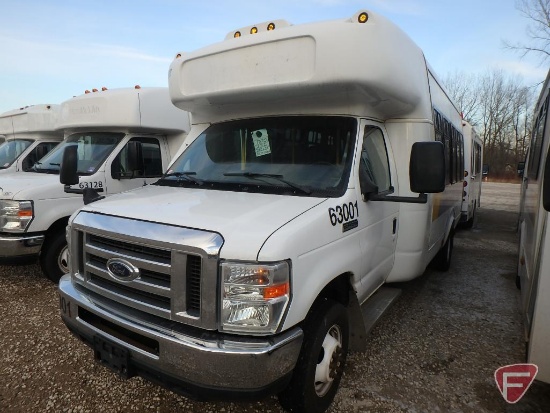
(374,158)
(151,157)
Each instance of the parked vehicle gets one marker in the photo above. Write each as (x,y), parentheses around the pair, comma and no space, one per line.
(473,161)
(314,174)
(34,209)
(28,133)
(534,244)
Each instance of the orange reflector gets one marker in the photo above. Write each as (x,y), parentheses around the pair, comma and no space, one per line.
(24,213)
(363,17)
(465,174)
(254,30)
(237,34)
(276,291)
(271,26)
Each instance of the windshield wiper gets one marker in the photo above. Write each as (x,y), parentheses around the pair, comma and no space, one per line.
(188,176)
(277,177)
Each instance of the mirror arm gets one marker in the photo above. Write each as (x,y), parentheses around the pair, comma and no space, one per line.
(421,199)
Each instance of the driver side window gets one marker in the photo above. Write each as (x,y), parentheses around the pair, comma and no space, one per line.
(374,158)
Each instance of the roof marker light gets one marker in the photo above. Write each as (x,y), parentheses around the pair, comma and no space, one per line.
(87,91)
(94,90)
(178,55)
(237,34)
(103,89)
(254,30)
(137,87)
(271,26)
(363,17)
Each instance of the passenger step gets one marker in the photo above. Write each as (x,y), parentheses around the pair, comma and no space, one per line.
(372,310)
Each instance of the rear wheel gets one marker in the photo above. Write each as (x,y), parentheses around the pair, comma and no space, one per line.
(470,223)
(321,363)
(54,258)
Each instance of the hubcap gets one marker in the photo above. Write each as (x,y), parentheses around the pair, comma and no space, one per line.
(63,260)
(329,364)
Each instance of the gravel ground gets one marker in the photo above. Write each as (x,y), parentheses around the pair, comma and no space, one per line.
(435,351)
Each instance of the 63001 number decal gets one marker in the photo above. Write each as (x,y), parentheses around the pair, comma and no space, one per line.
(343,213)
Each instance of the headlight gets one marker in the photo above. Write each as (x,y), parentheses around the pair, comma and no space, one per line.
(15,216)
(254,296)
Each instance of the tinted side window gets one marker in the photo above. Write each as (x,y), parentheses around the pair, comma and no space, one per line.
(536,142)
(374,158)
(151,156)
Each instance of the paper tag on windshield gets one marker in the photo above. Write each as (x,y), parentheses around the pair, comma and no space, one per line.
(261,142)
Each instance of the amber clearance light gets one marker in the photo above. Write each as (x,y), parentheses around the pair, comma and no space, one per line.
(363,17)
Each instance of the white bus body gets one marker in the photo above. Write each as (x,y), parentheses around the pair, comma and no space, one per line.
(534,245)
(473,161)
(34,209)
(29,134)
(279,216)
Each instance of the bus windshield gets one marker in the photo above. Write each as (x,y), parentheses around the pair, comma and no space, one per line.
(11,150)
(297,155)
(93,149)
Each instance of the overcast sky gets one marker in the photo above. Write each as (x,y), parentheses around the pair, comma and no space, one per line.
(53,50)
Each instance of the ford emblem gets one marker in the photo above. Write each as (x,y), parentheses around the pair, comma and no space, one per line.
(122,270)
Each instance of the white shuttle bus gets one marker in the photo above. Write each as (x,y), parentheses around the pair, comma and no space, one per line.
(315,174)
(534,245)
(29,134)
(473,175)
(105,127)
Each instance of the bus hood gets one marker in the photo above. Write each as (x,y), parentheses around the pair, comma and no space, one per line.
(30,186)
(244,220)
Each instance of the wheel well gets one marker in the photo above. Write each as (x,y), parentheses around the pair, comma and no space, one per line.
(338,290)
(57,226)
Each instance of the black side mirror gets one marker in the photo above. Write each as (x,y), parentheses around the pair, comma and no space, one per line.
(427,167)
(68,170)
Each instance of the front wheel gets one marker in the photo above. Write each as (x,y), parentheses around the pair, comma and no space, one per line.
(442,261)
(54,258)
(321,363)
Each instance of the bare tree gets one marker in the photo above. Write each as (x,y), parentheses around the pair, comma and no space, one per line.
(500,109)
(463,90)
(538,13)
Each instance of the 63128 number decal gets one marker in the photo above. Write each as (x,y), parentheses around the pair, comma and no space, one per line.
(343,213)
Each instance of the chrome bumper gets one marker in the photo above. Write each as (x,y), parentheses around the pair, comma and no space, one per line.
(20,245)
(195,360)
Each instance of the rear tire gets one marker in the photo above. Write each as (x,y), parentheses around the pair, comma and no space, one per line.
(470,223)
(321,362)
(442,261)
(54,257)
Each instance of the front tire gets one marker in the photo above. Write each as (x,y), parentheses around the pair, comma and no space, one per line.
(442,261)
(54,259)
(321,362)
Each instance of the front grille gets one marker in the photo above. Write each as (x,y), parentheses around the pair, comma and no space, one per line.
(177,268)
